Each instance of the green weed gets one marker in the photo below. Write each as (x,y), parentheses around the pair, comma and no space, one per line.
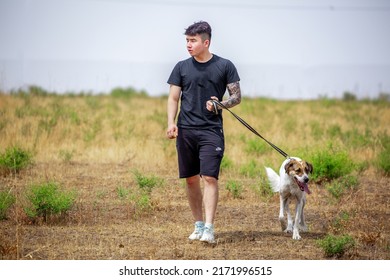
(143,203)
(127,92)
(257,147)
(146,183)
(355,139)
(66,155)
(316,130)
(7,199)
(226,163)
(122,192)
(383,158)
(250,169)
(142,198)
(331,164)
(336,246)
(334,131)
(340,185)
(93,130)
(234,188)
(340,222)
(48,199)
(15,159)
(93,102)
(264,188)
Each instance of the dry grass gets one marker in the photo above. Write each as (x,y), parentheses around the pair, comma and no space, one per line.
(93,145)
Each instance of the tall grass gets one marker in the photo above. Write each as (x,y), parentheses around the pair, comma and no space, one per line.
(383,158)
(117,127)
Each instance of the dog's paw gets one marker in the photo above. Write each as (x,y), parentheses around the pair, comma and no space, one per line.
(296,235)
(288,230)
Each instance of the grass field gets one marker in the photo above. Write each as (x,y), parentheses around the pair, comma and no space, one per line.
(111,154)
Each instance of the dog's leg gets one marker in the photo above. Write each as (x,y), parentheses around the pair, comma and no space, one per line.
(302,222)
(289,228)
(298,213)
(281,213)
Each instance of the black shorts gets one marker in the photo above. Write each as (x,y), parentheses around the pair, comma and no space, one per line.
(200,151)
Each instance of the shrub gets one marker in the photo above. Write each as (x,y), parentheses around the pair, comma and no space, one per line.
(336,246)
(143,203)
(264,188)
(142,198)
(234,188)
(349,96)
(14,159)
(47,199)
(338,187)
(6,201)
(122,192)
(146,183)
(330,164)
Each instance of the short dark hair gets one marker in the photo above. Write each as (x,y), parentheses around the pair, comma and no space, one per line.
(201,28)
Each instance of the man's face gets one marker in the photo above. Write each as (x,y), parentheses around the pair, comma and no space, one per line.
(195,45)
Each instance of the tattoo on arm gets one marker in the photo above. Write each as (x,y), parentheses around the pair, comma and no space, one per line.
(234,95)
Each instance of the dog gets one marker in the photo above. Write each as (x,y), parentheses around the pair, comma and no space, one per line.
(292,184)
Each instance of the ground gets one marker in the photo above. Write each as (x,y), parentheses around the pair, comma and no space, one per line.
(101,225)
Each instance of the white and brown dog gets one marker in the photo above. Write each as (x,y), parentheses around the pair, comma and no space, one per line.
(292,184)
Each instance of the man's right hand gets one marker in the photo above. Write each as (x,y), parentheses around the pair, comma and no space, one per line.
(172,131)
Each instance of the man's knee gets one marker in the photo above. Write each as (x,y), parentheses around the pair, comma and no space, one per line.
(192,181)
(209,180)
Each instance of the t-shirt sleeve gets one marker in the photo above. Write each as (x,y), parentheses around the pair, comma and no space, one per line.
(232,74)
(175,77)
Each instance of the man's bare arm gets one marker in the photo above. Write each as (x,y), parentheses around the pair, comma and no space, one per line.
(234,95)
(172,109)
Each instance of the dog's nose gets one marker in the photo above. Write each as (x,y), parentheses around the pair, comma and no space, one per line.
(306,179)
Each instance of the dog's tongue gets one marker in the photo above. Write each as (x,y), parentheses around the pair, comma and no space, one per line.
(302,186)
(306,188)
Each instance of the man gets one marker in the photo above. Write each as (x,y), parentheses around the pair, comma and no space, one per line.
(197,81)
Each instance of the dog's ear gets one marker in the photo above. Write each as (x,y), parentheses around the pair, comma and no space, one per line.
(289,165)
(309,167)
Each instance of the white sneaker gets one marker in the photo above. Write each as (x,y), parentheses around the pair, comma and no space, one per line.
(208,235)
(198,232)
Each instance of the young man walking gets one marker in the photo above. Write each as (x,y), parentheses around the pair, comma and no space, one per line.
(200,144)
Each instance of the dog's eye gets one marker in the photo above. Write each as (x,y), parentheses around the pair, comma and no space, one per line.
(298,170)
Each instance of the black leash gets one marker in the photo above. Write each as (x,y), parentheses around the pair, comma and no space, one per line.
(215,103)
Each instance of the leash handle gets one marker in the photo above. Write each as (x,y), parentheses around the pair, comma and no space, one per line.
(215,103)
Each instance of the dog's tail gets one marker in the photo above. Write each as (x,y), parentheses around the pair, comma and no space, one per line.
(273,179)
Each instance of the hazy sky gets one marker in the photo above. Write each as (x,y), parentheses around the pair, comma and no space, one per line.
(112,35)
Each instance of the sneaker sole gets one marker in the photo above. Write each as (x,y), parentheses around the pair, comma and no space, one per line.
(208,241)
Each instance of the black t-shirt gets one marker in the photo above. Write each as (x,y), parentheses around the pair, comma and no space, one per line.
(198,82)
